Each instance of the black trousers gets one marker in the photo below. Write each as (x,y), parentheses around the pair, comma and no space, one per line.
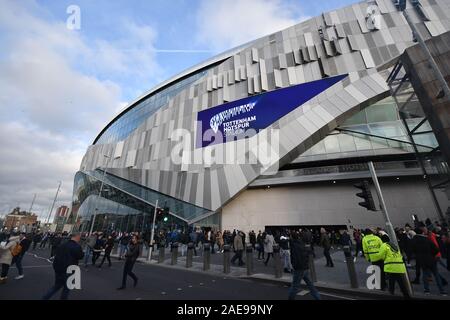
(238,256)
(5,269)
(95,256)
(397,278)
(106,256)
(268,256)
(60,283)
(53,251)
(128,271)
(326,253)
(260,252)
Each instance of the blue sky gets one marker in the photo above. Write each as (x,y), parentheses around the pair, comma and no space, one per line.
(59,87)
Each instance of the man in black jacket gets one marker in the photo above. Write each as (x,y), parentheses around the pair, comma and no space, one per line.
(425,252)
(130,259)
(300,264)
(67,255)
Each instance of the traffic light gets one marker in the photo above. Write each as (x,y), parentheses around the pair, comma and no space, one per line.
(366,195)
(166,214)
(159,214)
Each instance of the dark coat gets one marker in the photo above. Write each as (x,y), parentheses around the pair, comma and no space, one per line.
(109,245)
(424,250)
(299,255)
(132,253)
(67,255)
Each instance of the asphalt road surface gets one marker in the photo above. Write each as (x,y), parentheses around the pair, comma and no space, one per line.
(155,283)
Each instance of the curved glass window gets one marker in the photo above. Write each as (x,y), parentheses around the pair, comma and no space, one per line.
(123,205)
(127,123)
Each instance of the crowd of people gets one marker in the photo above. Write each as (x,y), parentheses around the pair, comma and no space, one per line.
(426,243)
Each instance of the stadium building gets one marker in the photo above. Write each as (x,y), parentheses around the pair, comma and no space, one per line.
(273,133)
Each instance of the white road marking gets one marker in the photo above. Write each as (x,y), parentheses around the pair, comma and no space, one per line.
(336,296)
(303,293)
(28,267)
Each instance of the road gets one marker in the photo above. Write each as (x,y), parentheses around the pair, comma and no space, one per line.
(155,283)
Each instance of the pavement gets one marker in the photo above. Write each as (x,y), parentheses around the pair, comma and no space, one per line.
(156,282)
(332,280)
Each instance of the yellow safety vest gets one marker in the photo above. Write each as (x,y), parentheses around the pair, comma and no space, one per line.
(371,247)
(393,260)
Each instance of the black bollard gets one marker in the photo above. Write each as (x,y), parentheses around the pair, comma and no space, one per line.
(226,259)
(162,250)
(206,256)
(312,266)
(277,261)
(174,254)
(350,267)
(249,259)
(189,255)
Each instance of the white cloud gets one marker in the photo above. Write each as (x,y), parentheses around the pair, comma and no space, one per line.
(58,89)
(224,24)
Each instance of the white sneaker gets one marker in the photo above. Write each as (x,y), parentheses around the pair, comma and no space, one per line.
(19,277)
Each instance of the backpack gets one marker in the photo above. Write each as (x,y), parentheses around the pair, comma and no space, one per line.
(16,250)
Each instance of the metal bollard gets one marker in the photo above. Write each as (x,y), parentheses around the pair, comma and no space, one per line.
(312,266)
(162,250)
(350,267)
(226,259)
(174,254)
(249,259)
(206,256)
(189,255)
(277,261)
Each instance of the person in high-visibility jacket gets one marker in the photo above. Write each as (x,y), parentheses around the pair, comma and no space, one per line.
(394,266)
(371,247)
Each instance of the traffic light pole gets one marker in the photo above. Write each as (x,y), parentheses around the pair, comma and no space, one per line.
(152,236)
(389,228)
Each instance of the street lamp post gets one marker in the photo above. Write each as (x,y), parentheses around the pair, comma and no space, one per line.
(152,236)
(54,201)
(100,192)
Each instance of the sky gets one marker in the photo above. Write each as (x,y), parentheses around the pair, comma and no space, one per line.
(60,86)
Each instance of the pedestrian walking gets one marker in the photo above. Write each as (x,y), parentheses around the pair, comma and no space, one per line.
(238,249)
(285,253)
(8,251)
(25,244)
(37,239)
(269,242)
(90,243)
(425,252)
(123,245)
(326,245)
(252,239)
(394,267)
(260,245)
(300,264)
(108,246)
(130,259)
(55,242)
(67,255)
(97,249)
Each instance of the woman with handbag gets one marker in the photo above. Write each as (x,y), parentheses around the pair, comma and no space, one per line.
(7,253)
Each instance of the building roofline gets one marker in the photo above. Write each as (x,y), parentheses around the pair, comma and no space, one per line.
(184,74)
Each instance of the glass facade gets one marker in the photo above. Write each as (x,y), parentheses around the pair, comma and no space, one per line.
(128,122)
(123,205)
(378,128)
